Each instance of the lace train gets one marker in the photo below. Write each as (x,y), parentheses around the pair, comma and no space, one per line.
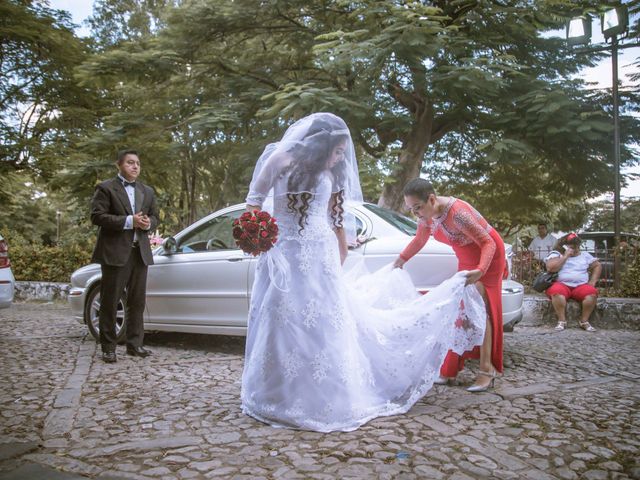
(340,349)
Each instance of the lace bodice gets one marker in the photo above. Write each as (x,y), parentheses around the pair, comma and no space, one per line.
(317,220)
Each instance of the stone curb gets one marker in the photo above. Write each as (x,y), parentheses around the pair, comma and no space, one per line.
(614,313)
(61,417)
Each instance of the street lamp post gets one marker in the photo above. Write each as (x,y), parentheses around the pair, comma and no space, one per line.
(616,162)
(614,23)
(58,214)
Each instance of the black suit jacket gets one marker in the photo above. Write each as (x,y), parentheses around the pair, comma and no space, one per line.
(109,210)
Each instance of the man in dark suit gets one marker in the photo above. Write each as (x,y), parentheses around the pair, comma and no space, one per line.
(125,210)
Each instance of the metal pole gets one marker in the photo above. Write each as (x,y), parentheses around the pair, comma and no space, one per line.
(616,160)
(58,226)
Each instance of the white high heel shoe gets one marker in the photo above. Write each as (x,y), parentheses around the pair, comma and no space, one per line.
(442,380)
(483,388)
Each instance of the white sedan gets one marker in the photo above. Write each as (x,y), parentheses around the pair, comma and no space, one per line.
(7,282)
(201,282)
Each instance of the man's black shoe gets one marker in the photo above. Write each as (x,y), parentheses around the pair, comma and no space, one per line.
(109,357)
(138,351)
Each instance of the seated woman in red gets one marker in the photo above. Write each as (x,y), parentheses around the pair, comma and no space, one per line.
(480,250)
(578,273)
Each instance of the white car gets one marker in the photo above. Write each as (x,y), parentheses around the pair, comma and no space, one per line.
(201,282)
(7,282)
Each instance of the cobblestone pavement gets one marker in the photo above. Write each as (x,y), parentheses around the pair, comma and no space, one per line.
(567,407)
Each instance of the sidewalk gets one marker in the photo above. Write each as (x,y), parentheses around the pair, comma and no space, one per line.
(567,407)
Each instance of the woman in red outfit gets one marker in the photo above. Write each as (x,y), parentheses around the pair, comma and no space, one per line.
(480,250)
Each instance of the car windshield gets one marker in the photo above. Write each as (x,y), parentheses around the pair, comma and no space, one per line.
(215,234)
(402,223)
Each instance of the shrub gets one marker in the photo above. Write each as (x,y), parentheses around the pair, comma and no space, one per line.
(630,281)
(47,264)
(34,262)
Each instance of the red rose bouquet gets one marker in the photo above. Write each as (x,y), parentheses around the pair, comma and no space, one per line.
(255,232)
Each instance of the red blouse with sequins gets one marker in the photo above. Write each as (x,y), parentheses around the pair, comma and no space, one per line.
(459,225)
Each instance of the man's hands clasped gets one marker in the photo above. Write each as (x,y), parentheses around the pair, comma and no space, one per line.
(141,221)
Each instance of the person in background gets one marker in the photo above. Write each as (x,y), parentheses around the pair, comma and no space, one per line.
(578,273)
(542,245)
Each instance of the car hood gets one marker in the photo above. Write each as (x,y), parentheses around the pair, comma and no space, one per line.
(396,244)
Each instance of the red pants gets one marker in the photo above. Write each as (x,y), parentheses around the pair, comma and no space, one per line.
(578,293)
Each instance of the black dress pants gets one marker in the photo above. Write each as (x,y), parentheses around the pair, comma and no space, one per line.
(132,278)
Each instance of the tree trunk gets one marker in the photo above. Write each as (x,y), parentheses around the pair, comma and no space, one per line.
(410,159)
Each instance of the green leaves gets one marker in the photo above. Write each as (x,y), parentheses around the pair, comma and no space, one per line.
(296,100)
(39,52)
(468,92)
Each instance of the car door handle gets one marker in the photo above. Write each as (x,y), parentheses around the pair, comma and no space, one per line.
(235,259)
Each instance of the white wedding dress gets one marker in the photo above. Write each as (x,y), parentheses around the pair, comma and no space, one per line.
(336,349)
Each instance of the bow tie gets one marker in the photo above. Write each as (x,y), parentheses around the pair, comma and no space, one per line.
(129,184)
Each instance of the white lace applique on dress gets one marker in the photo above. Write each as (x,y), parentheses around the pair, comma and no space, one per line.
(339,349)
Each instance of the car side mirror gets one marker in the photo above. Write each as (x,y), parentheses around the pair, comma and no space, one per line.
(361,240)
(170,246)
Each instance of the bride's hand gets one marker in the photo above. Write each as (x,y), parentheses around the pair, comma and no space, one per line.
(399,262)
(473,276)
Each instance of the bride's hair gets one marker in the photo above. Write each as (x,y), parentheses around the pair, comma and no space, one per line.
(419,188)
(310,158)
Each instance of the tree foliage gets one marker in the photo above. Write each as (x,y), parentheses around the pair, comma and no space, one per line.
(38,52)
(472,94)
(600,216)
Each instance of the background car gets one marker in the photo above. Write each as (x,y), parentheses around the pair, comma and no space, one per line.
(201,282)
(7,282)
(602,246)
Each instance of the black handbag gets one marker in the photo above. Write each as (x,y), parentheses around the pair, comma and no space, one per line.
(544,280)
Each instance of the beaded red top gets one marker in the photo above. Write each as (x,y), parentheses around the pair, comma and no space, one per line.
(459,225)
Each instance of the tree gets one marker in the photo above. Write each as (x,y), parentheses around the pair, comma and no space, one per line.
(600,216)
(195,124)
(117,21)
(471,83)
(38,52)
(31,214)
(189,138)
(467,92)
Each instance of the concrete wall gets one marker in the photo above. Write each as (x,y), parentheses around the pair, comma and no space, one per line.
(41,291)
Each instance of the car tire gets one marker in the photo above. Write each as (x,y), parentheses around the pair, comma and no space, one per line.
(92,310)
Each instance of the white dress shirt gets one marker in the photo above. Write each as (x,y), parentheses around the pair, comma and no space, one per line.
(131,193)
(541,247)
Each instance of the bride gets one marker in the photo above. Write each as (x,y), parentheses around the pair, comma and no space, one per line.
(330,350)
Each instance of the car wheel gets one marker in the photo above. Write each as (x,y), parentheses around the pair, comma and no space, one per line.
(92,311)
